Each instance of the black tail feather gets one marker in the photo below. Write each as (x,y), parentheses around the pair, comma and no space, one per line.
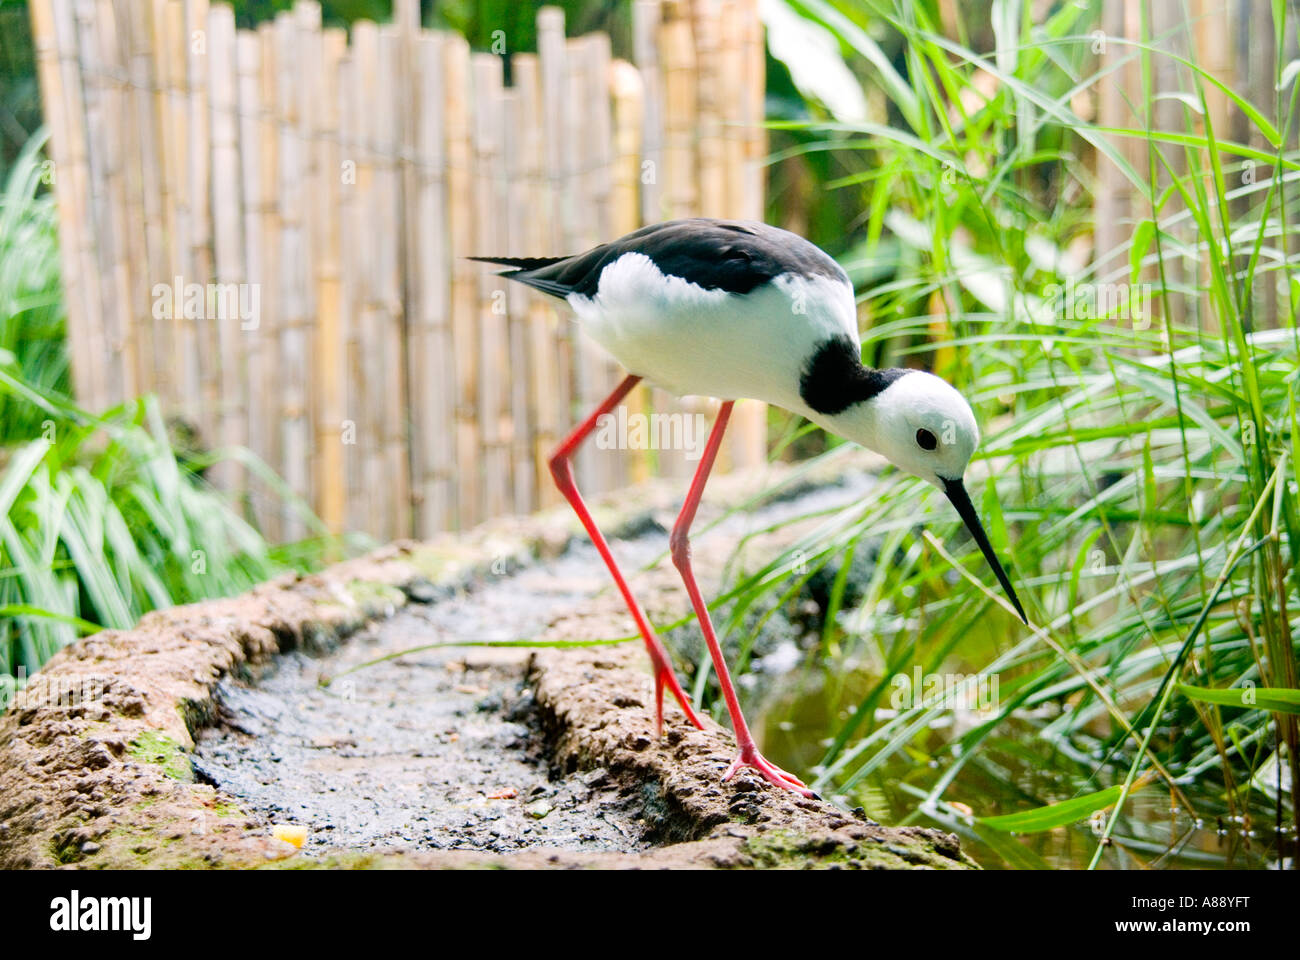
(523,263)
(523,272)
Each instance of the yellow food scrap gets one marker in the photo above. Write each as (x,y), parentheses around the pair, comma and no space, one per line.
(290,833)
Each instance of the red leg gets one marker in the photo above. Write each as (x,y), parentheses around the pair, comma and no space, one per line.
(562,471)
(681,549)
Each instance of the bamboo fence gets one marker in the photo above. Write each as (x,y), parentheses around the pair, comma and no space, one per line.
(268,229)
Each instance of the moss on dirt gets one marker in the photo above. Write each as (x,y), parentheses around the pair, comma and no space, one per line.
(785,850)
(439,564)
(340,861)
(64,851)
(376,597)
(162,750)
(789,850)
(156,847)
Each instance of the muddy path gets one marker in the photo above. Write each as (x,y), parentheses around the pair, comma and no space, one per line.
(437,750)
(442,749)
(211,727)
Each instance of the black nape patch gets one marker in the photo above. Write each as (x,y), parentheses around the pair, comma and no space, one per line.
(834,378)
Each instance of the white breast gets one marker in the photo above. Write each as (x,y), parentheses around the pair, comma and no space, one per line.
(694,341)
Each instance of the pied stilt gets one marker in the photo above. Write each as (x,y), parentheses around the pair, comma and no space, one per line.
(733,309)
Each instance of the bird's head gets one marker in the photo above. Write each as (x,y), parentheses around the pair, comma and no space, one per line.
(926,428)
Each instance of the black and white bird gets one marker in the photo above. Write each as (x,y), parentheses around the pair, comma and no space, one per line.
(732,310)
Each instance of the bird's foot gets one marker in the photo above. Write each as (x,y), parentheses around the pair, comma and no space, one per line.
(750,757)
(666,677)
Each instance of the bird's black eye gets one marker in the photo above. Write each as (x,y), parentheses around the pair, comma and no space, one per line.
(926,440)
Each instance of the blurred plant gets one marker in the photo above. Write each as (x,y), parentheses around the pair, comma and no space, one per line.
(32,315)
(20,98)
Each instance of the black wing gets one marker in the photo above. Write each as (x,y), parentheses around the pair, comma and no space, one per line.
(732,255)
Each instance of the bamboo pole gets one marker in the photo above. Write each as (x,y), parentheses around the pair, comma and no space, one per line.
(125,189)
(227,229)
(130,27)
(531,235)
(590,463)
(162,27)
(521,141)
(587,191)
(408,93)
(177,144)
(389,305)
(744,67)
(369,375)
(267,344)
(331,365)
(493,344)
(677,54)
(196,184)
(432,360)
(1113,191)
(310,97)
(464,280)
(351,245)
(558,212)
(150,106)
(81,172)
(647,16)
(628,96)
(291,390)
(248,106)
(680,183)
(54,41)
(732,108)
(256,162)
(99,66)
(709,110)
(754,98)
(614,470)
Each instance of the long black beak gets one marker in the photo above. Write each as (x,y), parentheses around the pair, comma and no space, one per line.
(956,491)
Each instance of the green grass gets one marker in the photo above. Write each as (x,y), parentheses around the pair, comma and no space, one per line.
(32,314)
(100,523)
(1138,469)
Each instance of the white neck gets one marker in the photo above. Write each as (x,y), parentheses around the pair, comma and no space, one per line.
(860,423)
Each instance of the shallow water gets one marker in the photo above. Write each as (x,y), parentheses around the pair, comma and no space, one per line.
(1014,771)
